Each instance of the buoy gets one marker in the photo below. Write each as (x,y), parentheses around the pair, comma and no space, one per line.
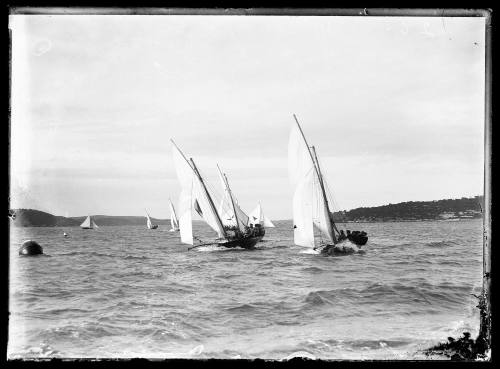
(30,248)
(65,234)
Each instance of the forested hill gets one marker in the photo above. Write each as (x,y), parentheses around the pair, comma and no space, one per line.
(450,209)
(37,218)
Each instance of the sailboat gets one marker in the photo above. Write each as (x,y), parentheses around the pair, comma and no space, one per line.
(311,204)
(174,222)
(149,223)
(228,223)
(257,217)
(88,223)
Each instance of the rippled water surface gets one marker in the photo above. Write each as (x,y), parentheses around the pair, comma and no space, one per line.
(134,292)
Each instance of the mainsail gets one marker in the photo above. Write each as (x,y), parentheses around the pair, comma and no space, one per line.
(257,217)
(88,223)
(194,195)
(173,217)
(231,213)
(149,223)
(310,203)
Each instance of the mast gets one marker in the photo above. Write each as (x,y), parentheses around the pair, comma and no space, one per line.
(230,196)
(332,223)
(210,201)
(316,168)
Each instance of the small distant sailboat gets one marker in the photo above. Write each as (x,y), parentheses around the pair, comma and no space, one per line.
(89,223)
(257,217)
(230,224)
(174,222)
(310,201)
(149,223)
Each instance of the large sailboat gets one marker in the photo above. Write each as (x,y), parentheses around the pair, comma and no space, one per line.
(89,223)
(228,221)
(149,222)
(174,222)
(311,205)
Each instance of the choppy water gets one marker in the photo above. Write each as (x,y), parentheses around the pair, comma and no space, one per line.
(133,292)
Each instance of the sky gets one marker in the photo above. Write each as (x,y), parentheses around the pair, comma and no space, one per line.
(393,105)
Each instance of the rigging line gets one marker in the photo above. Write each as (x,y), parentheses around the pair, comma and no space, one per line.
(334,201)
(318,204)
(218,197)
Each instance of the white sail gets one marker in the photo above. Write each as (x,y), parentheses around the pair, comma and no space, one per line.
(149,222)
(303,232)
(173,217)
(185,216)
(267,222)
(186,178)
(299,158)
(321,216)
(242,216)
(94,225)
(193,189)
(226,209)
(300,170)
(86,223)
(257,217)
(202,206)
(309,202)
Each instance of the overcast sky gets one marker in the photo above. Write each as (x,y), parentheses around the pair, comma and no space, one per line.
(394,106)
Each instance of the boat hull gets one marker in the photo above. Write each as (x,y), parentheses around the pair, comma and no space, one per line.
(246,242)
(153,227)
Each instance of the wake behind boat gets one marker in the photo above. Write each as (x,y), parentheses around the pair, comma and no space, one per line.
(88,223)
(310,202)
(229,221)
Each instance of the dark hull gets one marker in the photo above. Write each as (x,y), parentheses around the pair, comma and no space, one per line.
(246,242)
(154,227)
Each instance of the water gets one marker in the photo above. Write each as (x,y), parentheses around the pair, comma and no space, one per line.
(132,292)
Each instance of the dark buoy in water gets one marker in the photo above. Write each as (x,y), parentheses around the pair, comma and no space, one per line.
(65,234)
(30,248)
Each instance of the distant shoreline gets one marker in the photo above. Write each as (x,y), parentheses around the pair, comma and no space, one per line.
(448,210)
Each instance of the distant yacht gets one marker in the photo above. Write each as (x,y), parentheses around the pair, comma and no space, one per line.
(257,217)
(89,223)
(174,222)
(229,221)
(149,223)
(310,201)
